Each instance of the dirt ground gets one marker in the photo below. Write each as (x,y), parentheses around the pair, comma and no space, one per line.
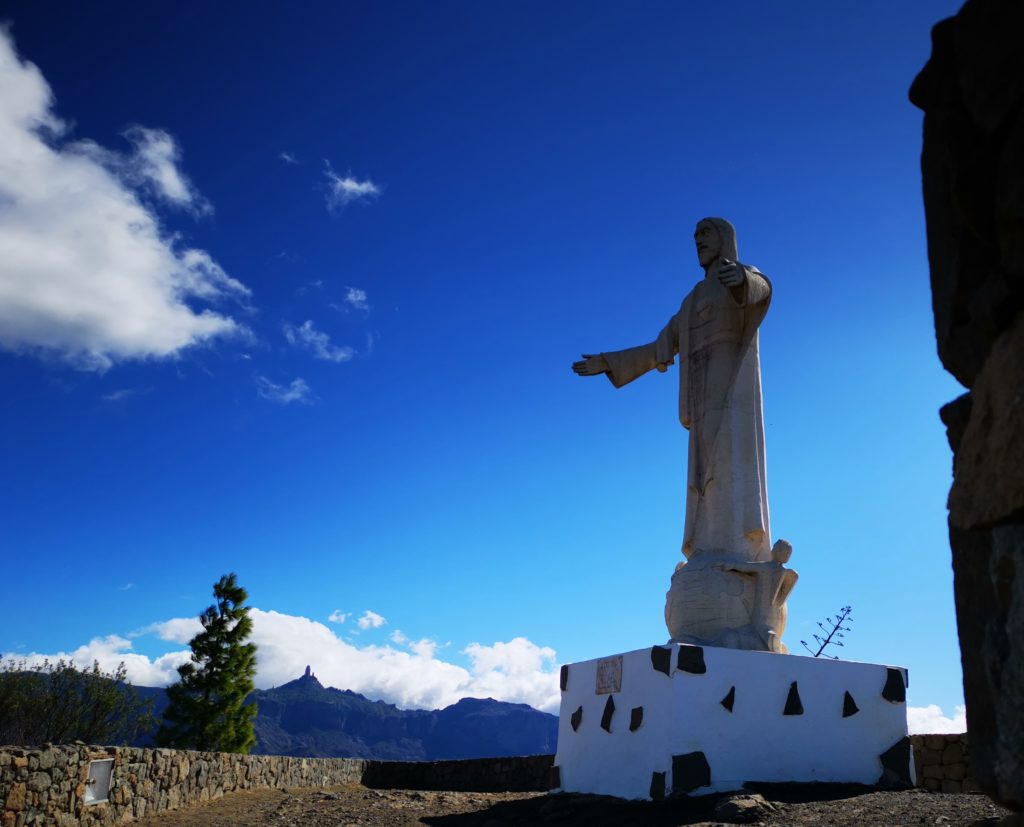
(357,805)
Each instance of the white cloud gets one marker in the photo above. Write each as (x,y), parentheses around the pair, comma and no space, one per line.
(517,671)
(112,650)
(296,391)
(87,272)
(357,298)
(338,616)
(287,157)
(398,637)
(371,620)
(930,720)
(319,343)
(343,191)
(425,648)
(176,630)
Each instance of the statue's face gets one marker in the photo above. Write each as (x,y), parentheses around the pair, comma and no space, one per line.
(708,241)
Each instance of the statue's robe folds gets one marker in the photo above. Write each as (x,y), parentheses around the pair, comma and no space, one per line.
(715,335)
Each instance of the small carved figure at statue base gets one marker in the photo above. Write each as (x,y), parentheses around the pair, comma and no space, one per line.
(730,604)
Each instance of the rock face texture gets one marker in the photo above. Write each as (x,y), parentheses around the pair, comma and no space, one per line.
(972,162)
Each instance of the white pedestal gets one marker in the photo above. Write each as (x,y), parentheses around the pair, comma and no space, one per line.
(690,720)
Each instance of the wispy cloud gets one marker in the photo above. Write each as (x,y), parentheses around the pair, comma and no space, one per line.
(319,343)
(87,271)
(410,675)
(338,616)
(155,162)
(287,157)
(371,620)
(121,394)
(296,391)
(126,587)
(343,191)
(355,297)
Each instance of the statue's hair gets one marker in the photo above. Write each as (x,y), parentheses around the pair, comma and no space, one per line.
(727,232)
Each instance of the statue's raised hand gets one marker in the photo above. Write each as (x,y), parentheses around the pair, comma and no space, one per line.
(730,273)
(590,365)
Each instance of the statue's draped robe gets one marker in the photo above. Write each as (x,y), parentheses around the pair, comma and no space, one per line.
(715,335)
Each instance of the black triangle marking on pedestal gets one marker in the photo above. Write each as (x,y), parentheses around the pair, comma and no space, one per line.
(661,659)
(563,677)
(794,706)
(691,659)
(849,705)
(729,699)
(606,716)
(636,717)
(575,718)
(895,690)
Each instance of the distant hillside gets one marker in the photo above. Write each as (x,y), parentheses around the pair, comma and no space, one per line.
(304,718)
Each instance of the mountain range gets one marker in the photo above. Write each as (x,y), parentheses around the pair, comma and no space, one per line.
(305,718)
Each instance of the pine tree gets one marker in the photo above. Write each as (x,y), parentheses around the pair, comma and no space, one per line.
(207,708)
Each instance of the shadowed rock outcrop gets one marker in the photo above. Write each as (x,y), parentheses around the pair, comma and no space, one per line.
(972,162)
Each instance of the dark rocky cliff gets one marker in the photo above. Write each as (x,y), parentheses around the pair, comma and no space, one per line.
(972,164)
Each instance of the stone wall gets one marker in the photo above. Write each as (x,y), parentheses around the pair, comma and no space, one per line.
(522,774)
(942,763)
(48,786)
(972,170)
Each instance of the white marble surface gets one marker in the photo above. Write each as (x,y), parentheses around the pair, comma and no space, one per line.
(756,741)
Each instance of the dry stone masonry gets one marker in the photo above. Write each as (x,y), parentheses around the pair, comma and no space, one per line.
(943,764)
(50,786)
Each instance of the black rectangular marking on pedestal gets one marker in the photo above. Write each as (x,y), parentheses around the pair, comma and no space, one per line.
(554,777)
(563,677)
(658,786)
(636,717)
(661,659)
(689,772)
(575,718)
(896,765)
(691,659)
(794,706)
(606,716)
(895,690)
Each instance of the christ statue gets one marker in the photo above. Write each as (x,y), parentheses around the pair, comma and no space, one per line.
(715,335)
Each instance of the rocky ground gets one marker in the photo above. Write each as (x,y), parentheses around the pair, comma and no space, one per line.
(356,805)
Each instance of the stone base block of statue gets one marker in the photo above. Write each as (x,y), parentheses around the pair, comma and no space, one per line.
(690,720)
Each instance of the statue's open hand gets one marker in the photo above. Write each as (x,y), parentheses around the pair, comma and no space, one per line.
(590,365)
(731,273)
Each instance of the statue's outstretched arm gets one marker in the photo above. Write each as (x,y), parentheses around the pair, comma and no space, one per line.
(623,366)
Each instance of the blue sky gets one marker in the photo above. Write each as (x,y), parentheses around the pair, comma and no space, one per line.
(295,294)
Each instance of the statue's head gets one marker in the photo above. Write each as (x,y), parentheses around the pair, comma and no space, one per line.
(715,238)
(782,551)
